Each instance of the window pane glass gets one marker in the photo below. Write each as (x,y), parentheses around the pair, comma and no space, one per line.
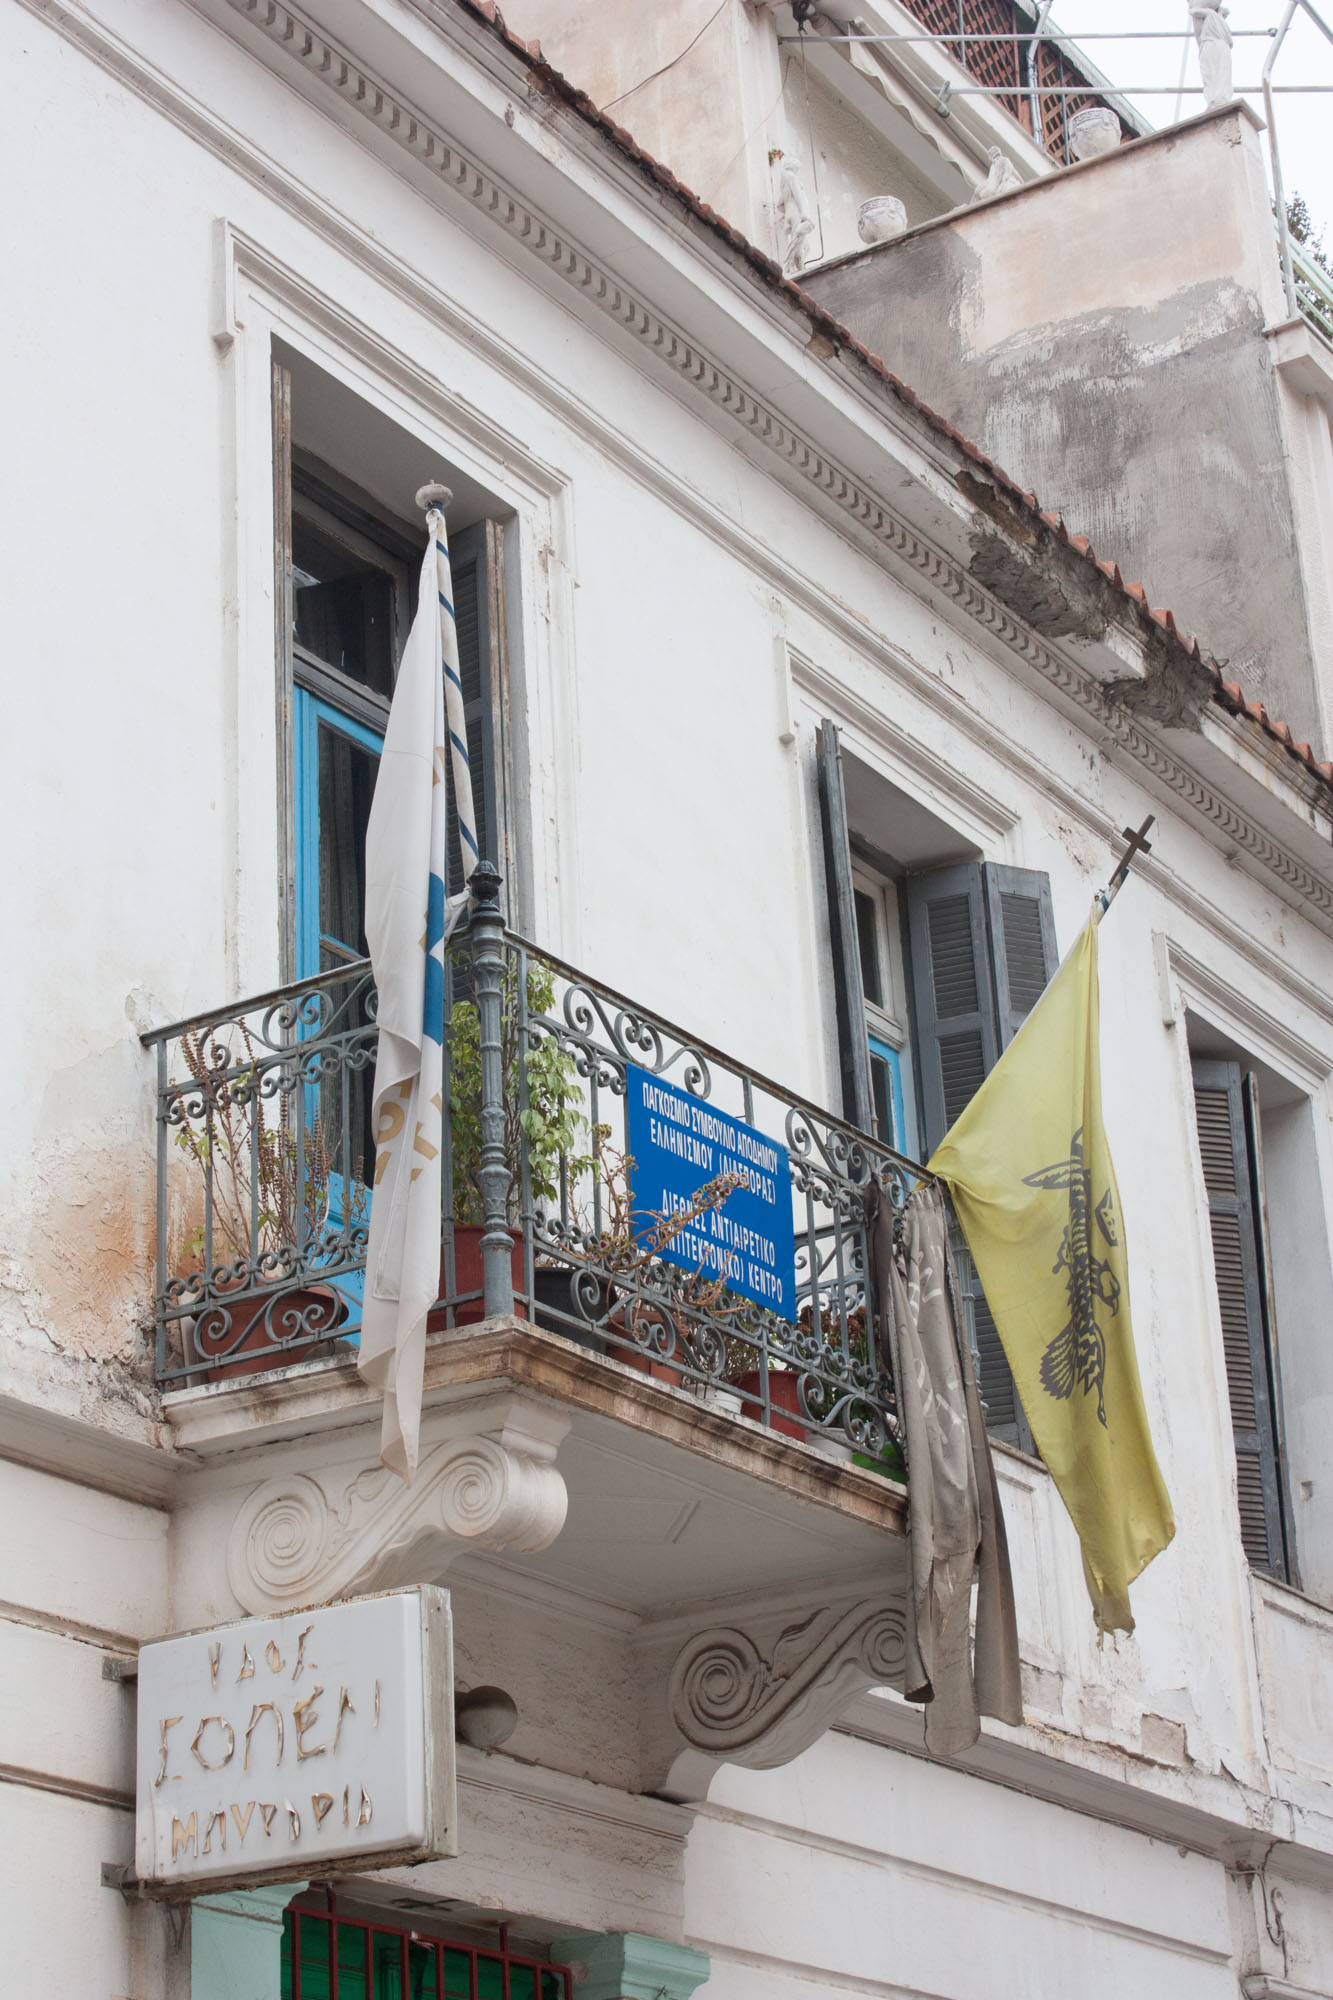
(420,1972)
(346,787)
(457,1975)
(522,1983)
(881,1090)
(315,1980)
(553,1986)
(351,1962)
(867,938)
(490,1978)
(343,607)
(387,1952)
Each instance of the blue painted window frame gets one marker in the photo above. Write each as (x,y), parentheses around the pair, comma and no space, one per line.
(311,710)
(892,1059)
(310,713)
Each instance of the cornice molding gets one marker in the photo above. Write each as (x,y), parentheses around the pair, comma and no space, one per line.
(327,63)
(364,93)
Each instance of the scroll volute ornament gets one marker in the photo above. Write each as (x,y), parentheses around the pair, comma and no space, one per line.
(306,1539)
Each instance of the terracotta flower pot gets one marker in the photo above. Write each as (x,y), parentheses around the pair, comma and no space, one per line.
(783,1394)
(247,1338)
(469,1276)
(644,1360)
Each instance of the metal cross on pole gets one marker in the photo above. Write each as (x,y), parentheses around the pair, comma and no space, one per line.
(1138,843)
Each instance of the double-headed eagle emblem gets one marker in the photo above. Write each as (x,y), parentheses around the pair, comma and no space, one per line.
(1077,1355)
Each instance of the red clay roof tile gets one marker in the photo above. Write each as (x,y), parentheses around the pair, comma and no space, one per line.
(1226,694)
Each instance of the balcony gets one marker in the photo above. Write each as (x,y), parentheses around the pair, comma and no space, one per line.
(263,1145)
(605,1418)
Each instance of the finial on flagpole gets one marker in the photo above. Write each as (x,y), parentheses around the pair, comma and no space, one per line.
(434,495)
(1138,844)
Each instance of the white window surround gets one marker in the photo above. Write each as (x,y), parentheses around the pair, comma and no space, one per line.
(1298,1168)
(261,298)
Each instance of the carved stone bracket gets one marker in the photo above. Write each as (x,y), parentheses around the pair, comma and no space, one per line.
(307,1537)
(760,1693)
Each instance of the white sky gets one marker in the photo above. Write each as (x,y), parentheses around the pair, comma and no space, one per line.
(1305,123)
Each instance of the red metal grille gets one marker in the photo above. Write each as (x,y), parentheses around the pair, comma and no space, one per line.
(337,1958)
(1000,64)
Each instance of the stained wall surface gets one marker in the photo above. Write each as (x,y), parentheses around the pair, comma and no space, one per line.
(1101,335)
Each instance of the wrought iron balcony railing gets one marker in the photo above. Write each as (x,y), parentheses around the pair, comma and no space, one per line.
(264,1156)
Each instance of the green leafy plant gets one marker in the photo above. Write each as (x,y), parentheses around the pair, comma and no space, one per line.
(553,1120)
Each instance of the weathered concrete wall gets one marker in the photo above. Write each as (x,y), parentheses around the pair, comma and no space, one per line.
(1100,335)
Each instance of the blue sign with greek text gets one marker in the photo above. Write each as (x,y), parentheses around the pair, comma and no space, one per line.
(679,1144)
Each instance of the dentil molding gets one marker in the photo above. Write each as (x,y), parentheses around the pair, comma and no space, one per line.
(409,129)
(358,88)
(308,1538)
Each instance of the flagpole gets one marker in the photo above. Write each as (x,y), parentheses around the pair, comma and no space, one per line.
(1138,843)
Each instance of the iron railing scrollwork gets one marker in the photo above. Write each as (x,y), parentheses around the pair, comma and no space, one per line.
(264,1169)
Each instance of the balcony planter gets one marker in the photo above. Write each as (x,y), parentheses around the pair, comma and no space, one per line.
(554,1306)
(880,219)
(646,1360)
(253,1342)
(783,1394)
(1093,131)
(469,1276)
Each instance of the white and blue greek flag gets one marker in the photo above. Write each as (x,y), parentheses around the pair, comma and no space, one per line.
(409,917)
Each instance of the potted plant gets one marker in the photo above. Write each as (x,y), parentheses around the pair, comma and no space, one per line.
(552,1123)
(627,1243)
(270,1188)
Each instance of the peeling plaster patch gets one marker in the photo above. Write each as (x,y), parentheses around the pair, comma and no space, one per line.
(1030,589)
(90,1251)
(1162,1741)
(1174,693)
(80,1272)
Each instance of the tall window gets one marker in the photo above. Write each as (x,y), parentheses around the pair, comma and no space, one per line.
(977,945)
(1226,1112)
(340,1958)
(346,569)
(888,1042)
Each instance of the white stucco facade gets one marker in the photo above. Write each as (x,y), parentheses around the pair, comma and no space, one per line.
(718,529)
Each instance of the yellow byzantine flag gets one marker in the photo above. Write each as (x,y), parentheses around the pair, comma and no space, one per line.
(1031,1179)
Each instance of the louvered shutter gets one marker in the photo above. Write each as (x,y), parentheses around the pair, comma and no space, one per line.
(853,1047)
(1022,930)
(982,947)
(1225,1153)
(956,1040)
(472,555)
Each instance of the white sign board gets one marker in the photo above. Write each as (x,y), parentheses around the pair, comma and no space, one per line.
(278,1748)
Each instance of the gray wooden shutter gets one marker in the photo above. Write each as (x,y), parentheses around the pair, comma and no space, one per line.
(1228,1174)
(956,1039)
(853,1048)
(982,941)
(1022,931)
(474,565)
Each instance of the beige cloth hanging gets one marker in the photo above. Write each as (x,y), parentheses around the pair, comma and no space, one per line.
(955,1524)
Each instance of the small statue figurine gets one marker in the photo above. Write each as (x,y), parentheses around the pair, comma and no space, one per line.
(1214,38)
(794,224)
(1003,177)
